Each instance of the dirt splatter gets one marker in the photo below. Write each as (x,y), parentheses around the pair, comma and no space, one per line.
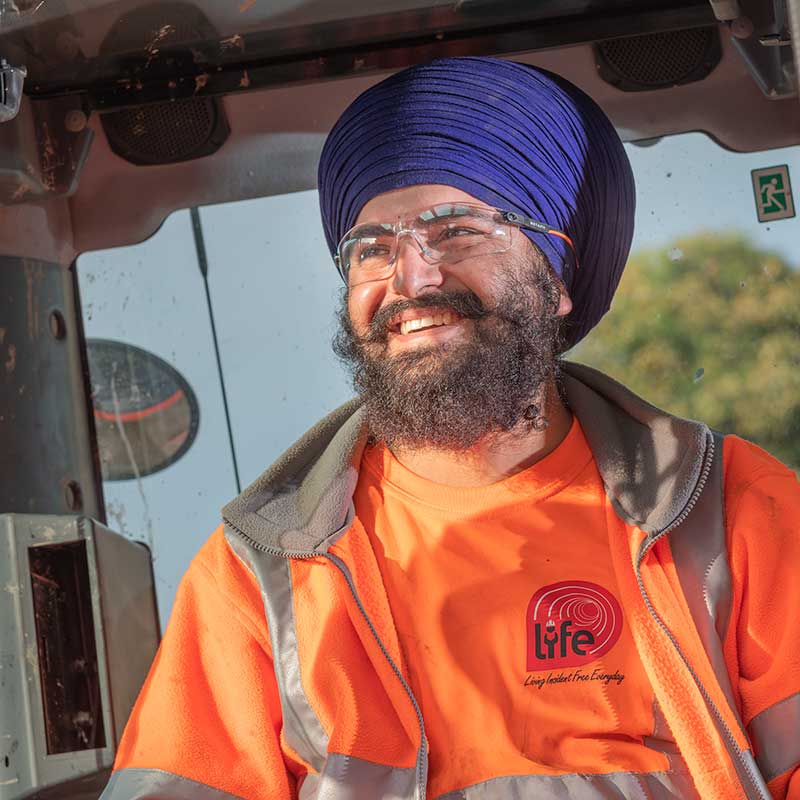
(51,159)
(20,191)
(153,46)
(33,278)
(11,361)
(244,81)
(234,42)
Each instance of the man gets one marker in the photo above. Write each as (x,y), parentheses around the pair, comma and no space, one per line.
(493,575)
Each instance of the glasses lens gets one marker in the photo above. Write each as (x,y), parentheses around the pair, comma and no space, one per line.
(454,233)
(366,251)
(447,233)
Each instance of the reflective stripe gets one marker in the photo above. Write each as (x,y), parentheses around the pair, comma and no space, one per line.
(156,784)
(663,741)
(775,734)
(700,552)
(301,727)
(349,778)
(611,786)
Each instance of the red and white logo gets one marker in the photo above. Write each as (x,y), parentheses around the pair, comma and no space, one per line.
(570,624)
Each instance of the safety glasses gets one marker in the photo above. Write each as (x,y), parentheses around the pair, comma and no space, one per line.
(448,233)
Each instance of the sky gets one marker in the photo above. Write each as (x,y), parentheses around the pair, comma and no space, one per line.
(274,288)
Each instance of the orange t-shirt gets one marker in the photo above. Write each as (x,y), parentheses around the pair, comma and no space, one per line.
(507,612)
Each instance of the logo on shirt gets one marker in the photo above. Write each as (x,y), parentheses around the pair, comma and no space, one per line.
(570,624)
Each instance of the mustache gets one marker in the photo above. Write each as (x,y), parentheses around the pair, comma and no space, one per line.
(464,303)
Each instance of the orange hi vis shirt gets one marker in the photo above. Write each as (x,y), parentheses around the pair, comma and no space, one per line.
(508,616)
(308,625)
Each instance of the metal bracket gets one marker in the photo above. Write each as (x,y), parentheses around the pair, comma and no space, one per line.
(43,150)
(762,46)
(11,82)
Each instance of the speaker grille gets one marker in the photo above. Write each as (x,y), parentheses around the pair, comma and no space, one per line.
(658,60)
(150,38)
(164,132)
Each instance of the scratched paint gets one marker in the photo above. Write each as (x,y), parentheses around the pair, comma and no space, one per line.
(235,42)
(33,280)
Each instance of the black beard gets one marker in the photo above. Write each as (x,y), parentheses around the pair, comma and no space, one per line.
(453,395)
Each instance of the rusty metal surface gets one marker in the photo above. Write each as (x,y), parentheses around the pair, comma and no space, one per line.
(43,149)
(47,463)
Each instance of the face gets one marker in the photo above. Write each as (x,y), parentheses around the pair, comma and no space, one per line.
(414,277)
(446,354)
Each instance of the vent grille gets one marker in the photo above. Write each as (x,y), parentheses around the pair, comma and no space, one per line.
(658,60)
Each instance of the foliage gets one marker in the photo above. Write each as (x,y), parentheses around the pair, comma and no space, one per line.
(709,329)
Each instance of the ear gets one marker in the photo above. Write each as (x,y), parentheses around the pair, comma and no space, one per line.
(564,300)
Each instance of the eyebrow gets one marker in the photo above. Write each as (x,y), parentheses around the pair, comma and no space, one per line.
(372,229)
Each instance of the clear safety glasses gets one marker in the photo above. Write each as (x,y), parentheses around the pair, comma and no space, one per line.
(447,233)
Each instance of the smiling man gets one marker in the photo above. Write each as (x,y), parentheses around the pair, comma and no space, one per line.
(494,574)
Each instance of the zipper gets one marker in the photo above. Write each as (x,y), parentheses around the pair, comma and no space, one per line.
(646,547)
(422,756)
(273,551)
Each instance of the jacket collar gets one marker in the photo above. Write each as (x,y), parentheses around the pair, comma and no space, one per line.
(650,462)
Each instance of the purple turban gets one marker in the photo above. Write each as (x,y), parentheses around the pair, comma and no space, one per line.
(516,137)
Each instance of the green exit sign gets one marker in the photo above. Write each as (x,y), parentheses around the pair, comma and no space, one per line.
(773,193)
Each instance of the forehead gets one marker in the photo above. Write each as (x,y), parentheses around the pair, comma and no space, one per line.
(411,200)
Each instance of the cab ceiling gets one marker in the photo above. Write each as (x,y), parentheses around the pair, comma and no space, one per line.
(277,128)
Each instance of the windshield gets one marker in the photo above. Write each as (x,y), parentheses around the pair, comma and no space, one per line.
(706,324)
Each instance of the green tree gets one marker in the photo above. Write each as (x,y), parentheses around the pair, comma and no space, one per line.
(709,329)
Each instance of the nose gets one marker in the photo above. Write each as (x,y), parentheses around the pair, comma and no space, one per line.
(412,273)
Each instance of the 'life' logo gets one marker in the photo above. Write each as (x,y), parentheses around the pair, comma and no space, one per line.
(570,624)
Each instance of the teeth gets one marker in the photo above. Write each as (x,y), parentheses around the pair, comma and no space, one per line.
(442,318)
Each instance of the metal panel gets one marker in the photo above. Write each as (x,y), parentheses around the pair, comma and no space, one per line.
(118,578)
(47,465)
(129,615)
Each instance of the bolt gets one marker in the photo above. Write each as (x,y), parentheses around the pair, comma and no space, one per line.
(73,495)
(58,327)
(75,121)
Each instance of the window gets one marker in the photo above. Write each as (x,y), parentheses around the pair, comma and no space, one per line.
(706,324)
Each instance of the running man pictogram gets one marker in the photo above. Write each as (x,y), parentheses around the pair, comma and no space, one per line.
(773,193)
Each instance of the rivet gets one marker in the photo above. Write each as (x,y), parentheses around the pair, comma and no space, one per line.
(75,121)
(73,495)
(58,327)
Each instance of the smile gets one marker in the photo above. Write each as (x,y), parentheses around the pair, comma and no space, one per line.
(412,324)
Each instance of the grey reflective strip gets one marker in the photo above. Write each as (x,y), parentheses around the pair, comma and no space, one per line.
(155,784)
(302,729)
(611,786)
(699,549)
(775,734)
(663,741)
(348,778)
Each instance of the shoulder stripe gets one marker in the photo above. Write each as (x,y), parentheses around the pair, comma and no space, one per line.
(135,783)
